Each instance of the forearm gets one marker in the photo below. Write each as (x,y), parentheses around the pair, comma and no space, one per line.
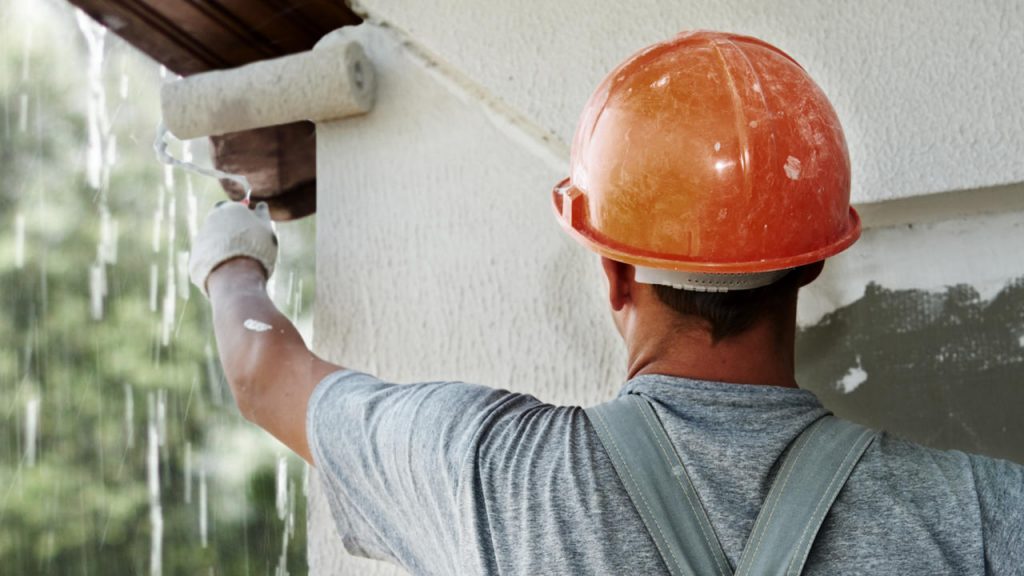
(270,370)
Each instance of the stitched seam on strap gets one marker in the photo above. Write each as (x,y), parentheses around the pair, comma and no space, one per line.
(688,493)
(842,468)
(786,474)
(643,498)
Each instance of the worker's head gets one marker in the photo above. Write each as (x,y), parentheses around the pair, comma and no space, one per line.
(715,169)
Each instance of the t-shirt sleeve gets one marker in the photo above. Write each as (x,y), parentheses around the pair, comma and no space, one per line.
(391,457)
(1000,486)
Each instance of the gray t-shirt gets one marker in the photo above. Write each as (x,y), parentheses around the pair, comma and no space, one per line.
(452,478)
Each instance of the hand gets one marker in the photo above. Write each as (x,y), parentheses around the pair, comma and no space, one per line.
(232,230)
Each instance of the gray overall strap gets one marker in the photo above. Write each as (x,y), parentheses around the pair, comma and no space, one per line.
(813,472)
(655,479)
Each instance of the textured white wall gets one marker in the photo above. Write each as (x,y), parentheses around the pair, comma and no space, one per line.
(438,258)
(929,90)
(980,251)
(437,253)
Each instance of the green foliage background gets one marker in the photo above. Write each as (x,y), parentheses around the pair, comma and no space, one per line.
(83,506)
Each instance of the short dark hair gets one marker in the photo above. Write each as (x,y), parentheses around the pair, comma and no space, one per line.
(730,313)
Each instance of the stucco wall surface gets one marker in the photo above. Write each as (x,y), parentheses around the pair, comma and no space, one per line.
(928,90)
(438,258)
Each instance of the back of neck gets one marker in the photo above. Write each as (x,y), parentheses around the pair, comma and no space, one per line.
(761,355)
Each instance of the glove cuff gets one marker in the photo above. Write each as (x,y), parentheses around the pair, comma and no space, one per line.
(227,248)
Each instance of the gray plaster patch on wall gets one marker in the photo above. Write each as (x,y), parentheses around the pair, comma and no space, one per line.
(945,369)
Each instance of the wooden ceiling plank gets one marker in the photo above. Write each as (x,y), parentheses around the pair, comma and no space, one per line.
(235,27)
(153,34)
(273,25)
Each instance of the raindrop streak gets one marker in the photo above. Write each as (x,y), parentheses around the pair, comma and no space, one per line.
(23,112)
(170,288)
(213,376)
(97,289)
(305,480)
(19,241)
(101,153)
(98,124)
(203,526)
(191,209)
(156,515)
(107,250)
(285,509)
(188,472)
(183,283)
(122,86)
(129,417)
(290,289)
(154,286)
(161,417)
(281,499)
(158,220)
(297,309)
(31,430)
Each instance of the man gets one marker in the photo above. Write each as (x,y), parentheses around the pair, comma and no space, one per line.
(711,174)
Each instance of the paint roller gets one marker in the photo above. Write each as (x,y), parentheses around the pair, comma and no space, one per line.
(334,80)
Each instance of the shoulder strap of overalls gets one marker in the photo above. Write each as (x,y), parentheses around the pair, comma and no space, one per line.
(655,479)
(812,474)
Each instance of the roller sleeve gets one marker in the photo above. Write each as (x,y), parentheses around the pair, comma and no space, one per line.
(333,81)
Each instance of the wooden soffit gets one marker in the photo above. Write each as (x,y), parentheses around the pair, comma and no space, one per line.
(191,36)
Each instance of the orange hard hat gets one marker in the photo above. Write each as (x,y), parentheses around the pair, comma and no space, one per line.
(712,158)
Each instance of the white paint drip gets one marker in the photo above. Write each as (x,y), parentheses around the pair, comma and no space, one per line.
(853,378)
(256,325)
(718,146)
(792,168)
(160,147)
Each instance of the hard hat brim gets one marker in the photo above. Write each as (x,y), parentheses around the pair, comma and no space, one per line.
(568,202)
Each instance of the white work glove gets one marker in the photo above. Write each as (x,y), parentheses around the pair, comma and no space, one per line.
(232,230)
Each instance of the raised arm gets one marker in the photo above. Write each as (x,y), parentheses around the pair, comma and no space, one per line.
(271,372)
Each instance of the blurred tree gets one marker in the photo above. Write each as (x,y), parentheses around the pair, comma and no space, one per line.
(118,435)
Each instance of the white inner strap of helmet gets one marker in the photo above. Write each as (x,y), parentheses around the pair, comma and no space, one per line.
(707,281)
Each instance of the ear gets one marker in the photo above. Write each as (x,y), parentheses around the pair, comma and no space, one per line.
(620,282)
(811,272)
